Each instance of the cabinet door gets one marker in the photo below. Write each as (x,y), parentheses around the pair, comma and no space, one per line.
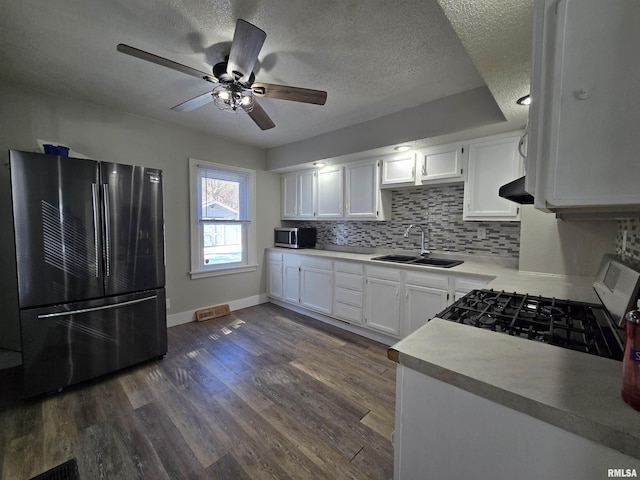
(441,164)
(399,170)
(362,190)
(421,305)
(276,278)
(329,193)
(289,192)
(307,195)
(492,163)
(291,280)
(316,289)
(584,121)
(383,305)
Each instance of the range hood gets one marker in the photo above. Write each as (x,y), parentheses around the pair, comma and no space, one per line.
(515,192)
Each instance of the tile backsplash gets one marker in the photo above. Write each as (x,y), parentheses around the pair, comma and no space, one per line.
(439,209)
(632,250)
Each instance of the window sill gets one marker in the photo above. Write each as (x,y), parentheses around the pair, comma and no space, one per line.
(223,271)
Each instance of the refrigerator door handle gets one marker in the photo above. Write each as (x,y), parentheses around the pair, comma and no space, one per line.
(95,309)
(96,227)
(107,227)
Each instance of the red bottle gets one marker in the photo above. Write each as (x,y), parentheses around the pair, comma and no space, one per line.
(631,360)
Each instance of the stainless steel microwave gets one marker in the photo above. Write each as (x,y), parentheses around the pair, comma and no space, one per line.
(295,237)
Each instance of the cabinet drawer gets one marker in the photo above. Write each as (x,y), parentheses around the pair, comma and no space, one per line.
(274,256)
(313,262)
(384,273)
(465,285)
(427,280)
(348,312)
(349,267)
(347,280)
(349,297)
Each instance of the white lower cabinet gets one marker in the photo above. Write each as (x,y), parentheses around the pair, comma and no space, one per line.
(387,300)
(382,293)
(316,292)
(275,275)
(291,278)
(424,297)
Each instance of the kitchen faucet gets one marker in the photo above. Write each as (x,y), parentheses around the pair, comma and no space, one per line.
(423,251)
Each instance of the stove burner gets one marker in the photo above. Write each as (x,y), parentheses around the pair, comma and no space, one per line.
(551,311)
(558,322)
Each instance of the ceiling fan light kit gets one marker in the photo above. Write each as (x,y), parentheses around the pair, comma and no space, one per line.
(235,89)
(232,97)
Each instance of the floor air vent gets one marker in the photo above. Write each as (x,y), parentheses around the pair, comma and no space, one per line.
(67,471)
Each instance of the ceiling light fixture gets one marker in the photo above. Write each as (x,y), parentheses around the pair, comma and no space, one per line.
(402,148)
(319,164)
(232,96)
(526,100)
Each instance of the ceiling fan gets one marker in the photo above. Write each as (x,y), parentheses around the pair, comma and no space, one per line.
(236,88)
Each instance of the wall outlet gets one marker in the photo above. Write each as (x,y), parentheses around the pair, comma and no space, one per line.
(482,233)
(168,303)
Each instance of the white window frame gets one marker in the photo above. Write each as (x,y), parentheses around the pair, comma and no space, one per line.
(198,270)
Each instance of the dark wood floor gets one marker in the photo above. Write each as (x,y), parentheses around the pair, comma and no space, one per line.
(262,393)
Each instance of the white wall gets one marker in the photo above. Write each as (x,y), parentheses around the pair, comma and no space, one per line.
(564,247)
(106,134)
(454,114)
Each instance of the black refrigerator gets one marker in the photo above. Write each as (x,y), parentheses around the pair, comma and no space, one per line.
(87,263)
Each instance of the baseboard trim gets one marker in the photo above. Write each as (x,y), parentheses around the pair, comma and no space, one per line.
(364,332)
(190,315)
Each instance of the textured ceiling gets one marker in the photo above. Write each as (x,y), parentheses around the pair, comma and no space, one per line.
(373,57)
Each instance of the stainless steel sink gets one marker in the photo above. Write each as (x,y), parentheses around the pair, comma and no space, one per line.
(428,261)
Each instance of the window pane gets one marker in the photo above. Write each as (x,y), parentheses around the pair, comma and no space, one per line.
(222,244)
(221,199)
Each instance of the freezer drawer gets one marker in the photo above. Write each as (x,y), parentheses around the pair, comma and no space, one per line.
(67,344)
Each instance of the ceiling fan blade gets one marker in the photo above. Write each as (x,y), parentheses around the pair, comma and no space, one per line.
(285,92)
(150,57)
(194,103)
(261,118)
(245,47)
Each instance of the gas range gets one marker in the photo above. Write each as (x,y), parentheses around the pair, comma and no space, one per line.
(578,326)
(591,328)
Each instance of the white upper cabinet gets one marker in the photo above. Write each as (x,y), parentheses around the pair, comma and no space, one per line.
(583,122)
(364,199)
(330,193)
(441,164)
(493,161)
(298,192)
(399,170)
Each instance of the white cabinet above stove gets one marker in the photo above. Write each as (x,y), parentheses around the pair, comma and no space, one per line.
(583,143)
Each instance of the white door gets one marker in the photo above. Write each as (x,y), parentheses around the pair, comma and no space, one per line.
(441,163)
(492,163)
(291,280)
(362,190)
(329,193)
(316,289)
(421,305)
(399,169)
(275,279)
(307,195)
(383,305)
(289,192)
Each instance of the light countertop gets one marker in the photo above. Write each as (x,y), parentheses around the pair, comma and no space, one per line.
(501,273)
(572,390)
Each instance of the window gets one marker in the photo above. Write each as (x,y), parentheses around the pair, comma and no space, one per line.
(222,219)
